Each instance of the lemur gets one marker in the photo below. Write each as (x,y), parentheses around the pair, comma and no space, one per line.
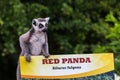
(34,42)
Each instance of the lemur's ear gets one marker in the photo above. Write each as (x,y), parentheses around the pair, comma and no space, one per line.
(34,22)
(47,19)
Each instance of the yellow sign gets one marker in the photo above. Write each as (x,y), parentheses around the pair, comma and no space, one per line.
(66,66)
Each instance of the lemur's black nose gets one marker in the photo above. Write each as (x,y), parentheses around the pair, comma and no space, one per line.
(44,30)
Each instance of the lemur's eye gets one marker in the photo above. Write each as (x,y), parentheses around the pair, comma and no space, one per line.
(46,24)
(40,26)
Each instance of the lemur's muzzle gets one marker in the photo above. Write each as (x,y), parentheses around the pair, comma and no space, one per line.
(44,30)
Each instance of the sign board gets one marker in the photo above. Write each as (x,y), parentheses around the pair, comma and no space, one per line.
(66,66)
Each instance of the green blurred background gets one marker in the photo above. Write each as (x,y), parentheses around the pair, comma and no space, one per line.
(75,27)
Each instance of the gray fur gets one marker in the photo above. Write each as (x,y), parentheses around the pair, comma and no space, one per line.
(34,42)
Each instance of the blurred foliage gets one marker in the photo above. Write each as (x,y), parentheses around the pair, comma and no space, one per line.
(75,27)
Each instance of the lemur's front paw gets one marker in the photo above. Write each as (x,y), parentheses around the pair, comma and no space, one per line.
(28,58)
(47,56)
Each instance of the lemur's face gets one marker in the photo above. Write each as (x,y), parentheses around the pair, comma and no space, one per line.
(40,24)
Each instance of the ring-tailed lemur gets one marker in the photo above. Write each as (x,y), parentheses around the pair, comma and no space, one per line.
(34,42)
